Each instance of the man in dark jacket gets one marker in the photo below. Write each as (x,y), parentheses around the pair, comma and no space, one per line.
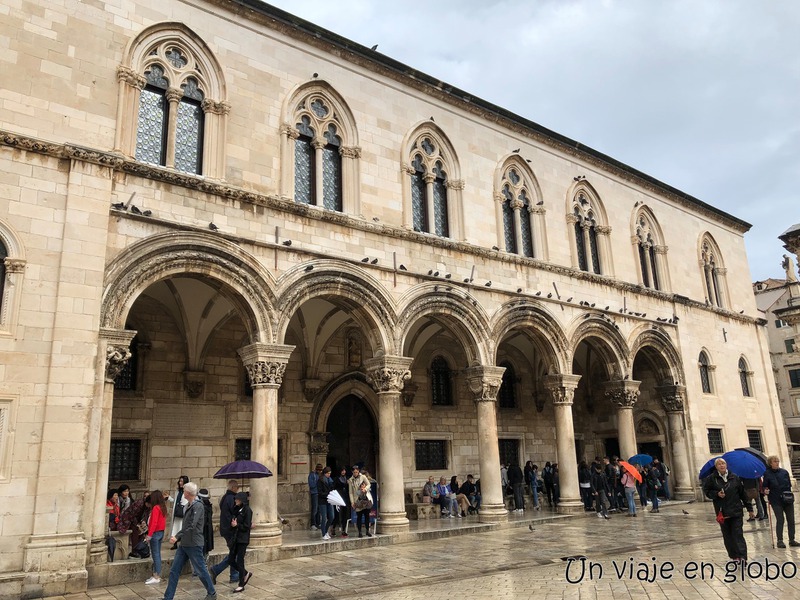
(516,480)
(600,491)
(226,510)
(727,492)
(190,545)
(778,487)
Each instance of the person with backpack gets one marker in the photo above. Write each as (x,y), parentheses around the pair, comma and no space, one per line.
(547,477)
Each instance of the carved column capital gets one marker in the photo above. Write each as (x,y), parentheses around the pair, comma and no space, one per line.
(561,388)
(484,382)
(516,204)
(661,249)
(117,350)
(537,210)
(289,131)
(623,393)
(572,218)
(350,151)
(407,168)
(14,265)
(265,363)
(130,77)
(174,94)
(603,229)
(455,184)
(673,397)
(217,108)
(388,373)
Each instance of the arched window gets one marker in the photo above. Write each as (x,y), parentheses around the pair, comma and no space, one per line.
(585,220)
(516,195)
(12,270)
(319,161)
(650,251)
(318,164)
(171,86)
(432,190)
(429,189)
(713,271)
(705,375)
(441,385)
(744,377)
(507,395)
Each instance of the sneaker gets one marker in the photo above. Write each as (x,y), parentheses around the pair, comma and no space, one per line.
(751,519)
(599,515)
(313,528)
(211,596)
(326,537)
(606,517)
(152,581)
(448,516)
(781,544)
(794,544)
(458,515)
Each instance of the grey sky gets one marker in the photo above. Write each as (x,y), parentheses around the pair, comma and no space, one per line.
(703,95)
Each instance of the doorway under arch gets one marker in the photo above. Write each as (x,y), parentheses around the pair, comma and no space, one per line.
(352,435)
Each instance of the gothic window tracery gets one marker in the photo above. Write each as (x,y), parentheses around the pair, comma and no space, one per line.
(429,188)
(713,272)
(648,251)
(517,206)
(317,156)
(586,230)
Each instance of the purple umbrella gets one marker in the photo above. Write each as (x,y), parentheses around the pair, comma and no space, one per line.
(243,468)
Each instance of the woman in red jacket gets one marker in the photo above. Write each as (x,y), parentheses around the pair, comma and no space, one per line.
(155,533)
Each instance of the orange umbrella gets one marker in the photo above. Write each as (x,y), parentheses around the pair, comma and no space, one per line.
(631,469)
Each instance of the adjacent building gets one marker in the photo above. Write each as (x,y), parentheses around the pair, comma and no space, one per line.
(228,233)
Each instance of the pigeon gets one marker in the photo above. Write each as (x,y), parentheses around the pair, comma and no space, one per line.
(488,284)
(287,243)
(538,293)
(309,267)
(147,213)
(212,227)
(430,272)
(374,261)
(121,206)
(365,259)
(403,268)
(515,151)
(375,47)
(495,248)
(519,290)
(550,295)
(135,210)
(448,276)
(530,527)
(686,512)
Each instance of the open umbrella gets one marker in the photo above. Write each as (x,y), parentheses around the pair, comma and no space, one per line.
(242,469)
(631,469)
(708,468)
(744,464)
(640,459)
(335,499)
(757,453)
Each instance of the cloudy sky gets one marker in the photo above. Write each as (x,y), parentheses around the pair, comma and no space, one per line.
(701,94)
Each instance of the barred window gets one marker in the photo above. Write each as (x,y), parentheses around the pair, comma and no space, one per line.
(715,441)
(317,154)
(430,455)
(507,395)
(794,378)
(441,389)
(754,439)
(151,130)
(429,194)
(125,460)
(509,451)
(705,378)
(189,129)
(242,451)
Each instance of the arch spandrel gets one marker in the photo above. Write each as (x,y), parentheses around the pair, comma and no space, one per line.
(605,337)
(167,255)
(346,286)
(456,309)
(550,336)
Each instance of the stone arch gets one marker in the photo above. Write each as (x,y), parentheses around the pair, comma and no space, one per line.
(591,194)
(348,287)
(549,336)
(661,354)
(446,148)
(12,241)
(353,383)
(191,255)
(605,338)
(456,309)
(340,107)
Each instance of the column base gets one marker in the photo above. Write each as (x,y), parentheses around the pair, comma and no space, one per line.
(493,513)
(393,522)
(98,552)
(54,565)
(683,494)
(266,535)
(570,506)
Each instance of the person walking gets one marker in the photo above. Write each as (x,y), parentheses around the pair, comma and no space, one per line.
(354,489)
(727,492)
(324,510)
(156,525)
(189,541)
(227,507)
(178,508)
(600,491)
(778,487)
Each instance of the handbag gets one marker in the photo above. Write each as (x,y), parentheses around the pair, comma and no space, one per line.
(363,504)
(178,514)
(142,527)
(787,497)
(720,517)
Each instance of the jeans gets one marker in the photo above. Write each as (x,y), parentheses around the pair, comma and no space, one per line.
(475,500)
(314,509)
(586,496)
(194,554)
(325,516)
(535,494)
(654,497)
(665,483)
(155,551)
(629,494)
(780,511)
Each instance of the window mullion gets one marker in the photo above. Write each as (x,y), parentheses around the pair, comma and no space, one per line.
(174,96)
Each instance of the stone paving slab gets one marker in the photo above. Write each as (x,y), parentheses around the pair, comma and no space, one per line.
(515,562)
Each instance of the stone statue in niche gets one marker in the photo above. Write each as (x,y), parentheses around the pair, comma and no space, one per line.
(354,350)
(788,266)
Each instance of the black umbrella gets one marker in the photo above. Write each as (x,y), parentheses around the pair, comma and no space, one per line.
(757,453)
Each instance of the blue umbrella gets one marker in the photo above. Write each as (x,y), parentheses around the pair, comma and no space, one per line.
(243,468)
(640,459)
(744,464)
(708,468)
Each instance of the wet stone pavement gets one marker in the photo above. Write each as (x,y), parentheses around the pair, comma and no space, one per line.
(667,555)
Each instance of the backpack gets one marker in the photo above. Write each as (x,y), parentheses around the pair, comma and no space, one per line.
(140,550)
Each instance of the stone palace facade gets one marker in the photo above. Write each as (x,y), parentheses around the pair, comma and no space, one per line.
(226,232)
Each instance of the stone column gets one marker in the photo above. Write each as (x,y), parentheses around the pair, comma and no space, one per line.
(624,394)
(562,391)
(387,374)
(517,206)
(173,96)
(672,398)
(265,364)
(484,383)
(115,350)
(538,225)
